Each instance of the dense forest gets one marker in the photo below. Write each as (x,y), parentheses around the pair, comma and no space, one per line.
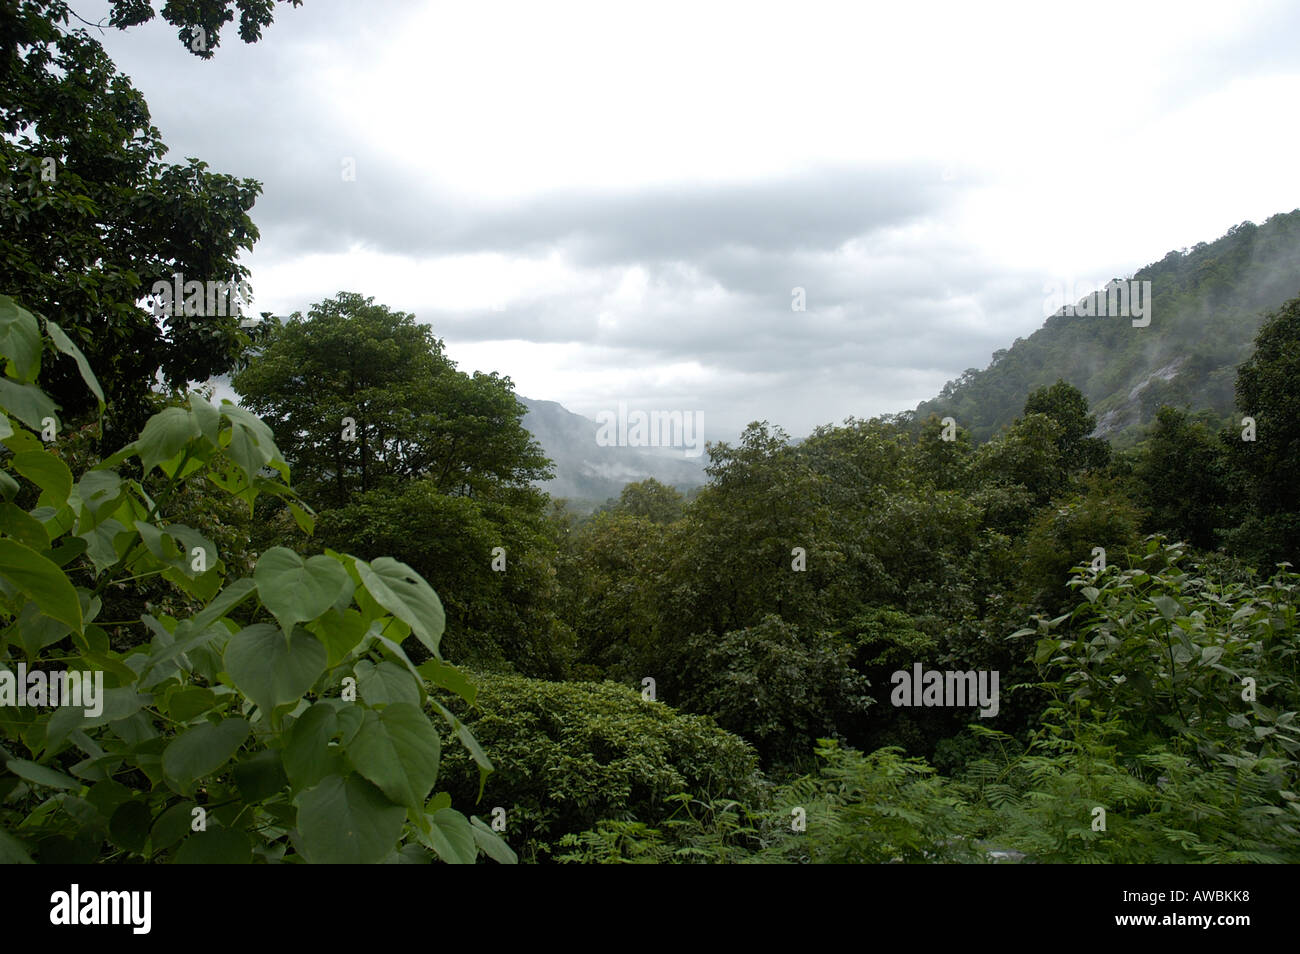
(337,621)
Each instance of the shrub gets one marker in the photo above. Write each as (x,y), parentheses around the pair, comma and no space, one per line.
(568,754)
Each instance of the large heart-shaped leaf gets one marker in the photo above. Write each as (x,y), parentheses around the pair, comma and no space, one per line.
(296,590)
(347,821)
(164,435)
(405,594)
(20,339)
(200,751)
(270,670)
(398,749)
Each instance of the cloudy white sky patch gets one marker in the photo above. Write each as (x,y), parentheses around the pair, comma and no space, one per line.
(613,202)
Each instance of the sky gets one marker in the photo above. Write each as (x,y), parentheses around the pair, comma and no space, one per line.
(620,202)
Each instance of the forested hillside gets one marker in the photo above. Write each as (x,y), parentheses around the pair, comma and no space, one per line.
(341,623)
(1208,302)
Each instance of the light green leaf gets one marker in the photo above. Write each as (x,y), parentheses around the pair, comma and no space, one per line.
(270,670)
(47,472)
(26,402)
(448,677)
(297,590)
(405,594)
(42,580)
(451,836)
(164,436)
(493,845)
(399,750)
(20,339)
(385,684)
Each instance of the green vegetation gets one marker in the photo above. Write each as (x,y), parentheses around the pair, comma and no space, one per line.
(670,679)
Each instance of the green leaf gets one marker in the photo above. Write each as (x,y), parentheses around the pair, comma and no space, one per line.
(164,436)
(47,472)
(13,851)
(216,846)
(99,490)
(42,580)
(385,684)
(451,836)
(118,703)
(226,600)
(306,522)
(467,739)
(65,345)
(347,821)
(339,632)
(184,704)
(172,825)
(200,751)
(104,544)
(260,776)
(398,749)
(20,340)
(207,417)
(8,486)
(40,774)
(129,826)
(252,446)
(297,590)
(26,402)
(308,755)
(270,670)
(23,527)
(1167,605)
(448,677)
(405,594)
(493,845)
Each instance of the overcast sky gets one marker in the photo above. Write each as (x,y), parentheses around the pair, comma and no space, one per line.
(614,202)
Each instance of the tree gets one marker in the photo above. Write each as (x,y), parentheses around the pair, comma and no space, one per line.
(91,218)
(650,499)
(200,21)
(401,454)
(1066,405)
(1267,391)
(362,398)
(1180,479)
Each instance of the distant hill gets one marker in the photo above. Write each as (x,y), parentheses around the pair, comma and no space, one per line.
(1207,304)
(586,472)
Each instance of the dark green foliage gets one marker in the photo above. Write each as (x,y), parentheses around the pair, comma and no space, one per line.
(1181,479)
(568,754)
(1267,391)
(776,685)
(91,217)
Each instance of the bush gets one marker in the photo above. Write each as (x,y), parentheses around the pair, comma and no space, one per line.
(568,754)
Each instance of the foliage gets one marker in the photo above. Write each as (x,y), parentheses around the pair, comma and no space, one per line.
(568,754)
(91,217)
(281,722)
